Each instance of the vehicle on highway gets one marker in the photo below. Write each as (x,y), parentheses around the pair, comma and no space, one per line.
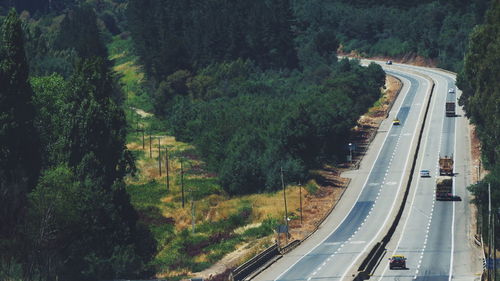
(389,62)
(444,187)
(425,173)
(397,261)
(446,166)
(450,109)
(396,121)
(451,91)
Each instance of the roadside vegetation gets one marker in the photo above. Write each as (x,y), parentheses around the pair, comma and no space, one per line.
(481,101)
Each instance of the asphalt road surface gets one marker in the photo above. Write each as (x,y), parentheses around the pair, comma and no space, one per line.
(435,236)
(428,230)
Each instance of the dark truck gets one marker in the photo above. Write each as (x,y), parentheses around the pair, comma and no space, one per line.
(444,187)
(450,109)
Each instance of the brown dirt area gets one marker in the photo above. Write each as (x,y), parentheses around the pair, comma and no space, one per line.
(478,173)
(411,59)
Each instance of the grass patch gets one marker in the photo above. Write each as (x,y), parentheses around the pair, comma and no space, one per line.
(148,194)
(130,74)
(311,188)
(265,229)
(203,187)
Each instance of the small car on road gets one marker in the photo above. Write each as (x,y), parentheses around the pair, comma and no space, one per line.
(396,121)
(425,174)
(397,261)
(389,62)
(451,91)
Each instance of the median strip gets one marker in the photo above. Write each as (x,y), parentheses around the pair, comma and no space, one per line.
(373,258)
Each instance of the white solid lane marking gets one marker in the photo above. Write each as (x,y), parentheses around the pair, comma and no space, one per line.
(414,194)
(393,202)
(352,207)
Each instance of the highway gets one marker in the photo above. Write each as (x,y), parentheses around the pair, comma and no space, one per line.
(429,229)
(434,235)
(345,242)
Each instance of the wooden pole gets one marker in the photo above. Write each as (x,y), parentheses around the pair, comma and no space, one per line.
(182,184)
(143,143)
(192,214)
(300,196)
(166,163)
(150,145)
(284,199)
(494,248)
(159,156)
(489,233)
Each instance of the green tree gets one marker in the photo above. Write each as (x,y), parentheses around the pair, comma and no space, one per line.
(52,220)
(481,100)
(98,158)
(50,100)
(481,88)
(19,146)
(79,31)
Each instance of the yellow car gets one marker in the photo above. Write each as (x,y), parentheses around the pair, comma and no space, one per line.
(395,121)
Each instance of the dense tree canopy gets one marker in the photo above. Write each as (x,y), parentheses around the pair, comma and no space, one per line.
(76,222)
(247,123)
(481,100)
(19,146)
(435,30)
(480,84)
(172,35)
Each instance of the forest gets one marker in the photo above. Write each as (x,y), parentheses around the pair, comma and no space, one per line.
(255,86)
(65,213)
(481,100)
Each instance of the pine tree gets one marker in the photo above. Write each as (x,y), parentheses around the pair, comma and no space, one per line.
(113,245)
(19,146)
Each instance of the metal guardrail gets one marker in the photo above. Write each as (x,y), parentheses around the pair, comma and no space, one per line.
(242,271)
(292,245)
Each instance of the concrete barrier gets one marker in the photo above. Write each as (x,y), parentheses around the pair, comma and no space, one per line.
(369,263)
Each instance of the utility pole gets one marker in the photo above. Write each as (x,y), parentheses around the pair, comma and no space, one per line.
(284,198)
(182,183)
(350,152)
(159,156)
(489,232)
(150,145)
(143,144)
(494,248)
(166,163)
(479,173)
(192,212)
(137,124)
(300,196)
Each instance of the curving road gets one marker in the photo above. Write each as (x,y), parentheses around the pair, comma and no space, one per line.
(435,235)
(428,229)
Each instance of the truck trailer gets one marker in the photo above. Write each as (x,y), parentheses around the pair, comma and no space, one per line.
(450,109)
(444,188)
(446,166)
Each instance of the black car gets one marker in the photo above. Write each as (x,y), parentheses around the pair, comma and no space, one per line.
(397,261)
